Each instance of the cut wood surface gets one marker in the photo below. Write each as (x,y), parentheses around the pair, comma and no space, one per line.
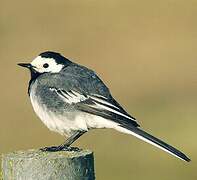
(35,164)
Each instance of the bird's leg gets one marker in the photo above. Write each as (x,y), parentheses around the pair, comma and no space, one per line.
(66,145)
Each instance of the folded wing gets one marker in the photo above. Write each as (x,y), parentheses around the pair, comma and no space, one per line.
(97,105)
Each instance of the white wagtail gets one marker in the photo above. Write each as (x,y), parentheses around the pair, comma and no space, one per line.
(71,99)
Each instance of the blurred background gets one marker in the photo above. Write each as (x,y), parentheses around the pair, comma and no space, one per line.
(145,51)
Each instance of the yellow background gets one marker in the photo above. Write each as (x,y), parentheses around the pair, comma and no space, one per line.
(145,51)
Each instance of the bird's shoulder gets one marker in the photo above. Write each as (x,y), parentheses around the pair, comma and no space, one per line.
(83,79)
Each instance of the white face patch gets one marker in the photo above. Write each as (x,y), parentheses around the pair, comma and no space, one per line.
(41,65)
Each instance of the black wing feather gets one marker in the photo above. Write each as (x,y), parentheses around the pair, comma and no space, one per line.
(85,106)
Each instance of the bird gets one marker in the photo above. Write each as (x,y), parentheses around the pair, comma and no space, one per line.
(71,99)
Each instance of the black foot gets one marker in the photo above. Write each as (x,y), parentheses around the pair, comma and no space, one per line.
(60,148)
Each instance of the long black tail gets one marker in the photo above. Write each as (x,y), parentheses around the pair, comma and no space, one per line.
(139,133)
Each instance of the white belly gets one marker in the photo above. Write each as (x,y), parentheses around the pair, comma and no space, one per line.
(56,122)
(67,125)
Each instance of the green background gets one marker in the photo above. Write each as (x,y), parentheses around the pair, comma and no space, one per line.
(145,51)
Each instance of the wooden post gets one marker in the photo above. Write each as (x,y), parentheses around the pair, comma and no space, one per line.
(35,164)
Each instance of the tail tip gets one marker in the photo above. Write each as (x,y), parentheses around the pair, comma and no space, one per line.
(187,159)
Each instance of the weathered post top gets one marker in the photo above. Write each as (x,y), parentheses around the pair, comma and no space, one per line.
(35,164)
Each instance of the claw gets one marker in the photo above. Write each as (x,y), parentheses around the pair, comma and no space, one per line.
(60,148)
(51,149)
(76,149)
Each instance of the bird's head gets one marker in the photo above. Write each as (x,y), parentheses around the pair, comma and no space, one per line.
(47,62)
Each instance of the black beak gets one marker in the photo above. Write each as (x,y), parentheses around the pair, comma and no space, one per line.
(26,65)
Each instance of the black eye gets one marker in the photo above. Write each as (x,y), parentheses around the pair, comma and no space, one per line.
(45,65)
